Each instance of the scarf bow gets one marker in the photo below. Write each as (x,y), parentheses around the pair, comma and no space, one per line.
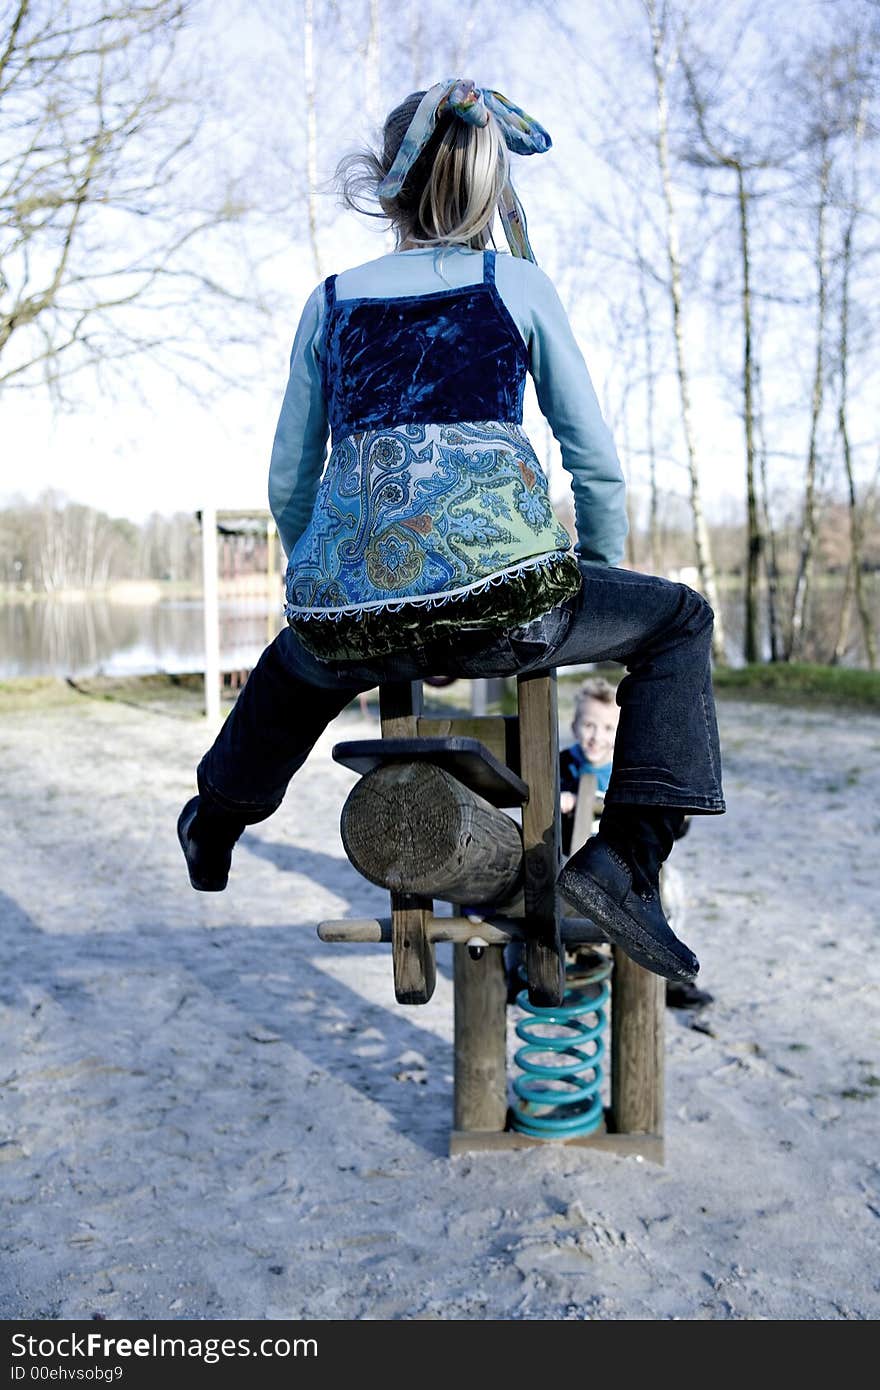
(472,104)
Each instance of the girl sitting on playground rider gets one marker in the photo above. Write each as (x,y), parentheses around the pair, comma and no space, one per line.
(427,544)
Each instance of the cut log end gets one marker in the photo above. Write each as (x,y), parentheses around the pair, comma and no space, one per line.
(413,828)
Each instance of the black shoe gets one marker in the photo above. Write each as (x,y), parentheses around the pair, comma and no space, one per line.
(680,995)
(514,957)
(207,847)
(599,883)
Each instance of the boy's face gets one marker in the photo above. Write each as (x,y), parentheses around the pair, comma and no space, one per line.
(594,730)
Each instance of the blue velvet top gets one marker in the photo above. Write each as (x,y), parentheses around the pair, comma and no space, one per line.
(433,496)
(450,355)
(411,282)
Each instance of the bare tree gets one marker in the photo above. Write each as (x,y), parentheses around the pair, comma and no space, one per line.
(366,52)
(768,530)
(828,85)
(54,544)
(809,522)
(662,57)
(310,93)
(328,29)
(731,153)
(100,224)
(854,587)
(650,416)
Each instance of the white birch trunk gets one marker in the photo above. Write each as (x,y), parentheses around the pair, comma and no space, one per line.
(702,545)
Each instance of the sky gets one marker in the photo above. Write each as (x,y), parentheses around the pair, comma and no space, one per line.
(143,443)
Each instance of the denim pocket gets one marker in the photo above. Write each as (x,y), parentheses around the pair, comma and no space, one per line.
(534,644)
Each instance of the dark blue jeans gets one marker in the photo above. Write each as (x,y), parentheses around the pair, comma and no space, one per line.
(666,752)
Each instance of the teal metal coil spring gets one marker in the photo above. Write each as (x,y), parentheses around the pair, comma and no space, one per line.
(559,1097)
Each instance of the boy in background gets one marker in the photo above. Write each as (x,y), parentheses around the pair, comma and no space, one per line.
(594,726)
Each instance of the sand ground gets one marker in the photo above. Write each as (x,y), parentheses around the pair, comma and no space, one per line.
(208,1113)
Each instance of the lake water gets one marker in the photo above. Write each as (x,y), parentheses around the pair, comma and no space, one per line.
(51,637)
(95,637)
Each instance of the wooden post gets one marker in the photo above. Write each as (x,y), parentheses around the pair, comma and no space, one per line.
(584,811)
(400,704)
(637,1054)
(211,610)
(480,1040)
(412,951)
(541,829)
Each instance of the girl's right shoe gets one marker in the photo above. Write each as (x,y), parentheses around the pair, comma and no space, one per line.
(207,843)
(598,881)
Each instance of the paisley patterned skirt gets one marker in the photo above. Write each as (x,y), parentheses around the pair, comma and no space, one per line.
(418,529)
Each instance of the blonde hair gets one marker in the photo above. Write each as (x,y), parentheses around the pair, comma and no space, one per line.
(452,190)
(595,688)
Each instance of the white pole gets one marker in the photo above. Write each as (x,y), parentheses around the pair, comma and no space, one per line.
(272,572)
(478,696)
(211,601)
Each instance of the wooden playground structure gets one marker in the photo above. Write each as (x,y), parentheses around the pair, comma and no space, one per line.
(426,821)
(234,544)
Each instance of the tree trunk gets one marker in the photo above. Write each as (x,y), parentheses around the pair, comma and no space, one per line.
(809,525)
(855,527)
(631,516)
(702,545)
(754,538)
(771,564)
(653,499)
(841,641)
(311,133)
(372,57)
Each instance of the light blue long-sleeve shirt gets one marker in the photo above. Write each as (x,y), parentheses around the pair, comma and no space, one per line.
(562,384)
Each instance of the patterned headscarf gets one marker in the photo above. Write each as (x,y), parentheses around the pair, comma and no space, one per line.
(472,104)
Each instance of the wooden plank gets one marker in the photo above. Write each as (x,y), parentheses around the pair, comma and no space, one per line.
(638,999)
(496,930)
(466,759)
(412,950)
(584,811)
(539,767)
(489,730)
(647,1146)
(480,993)
(499,732)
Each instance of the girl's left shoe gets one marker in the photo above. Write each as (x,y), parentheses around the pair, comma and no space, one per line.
(599,882)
